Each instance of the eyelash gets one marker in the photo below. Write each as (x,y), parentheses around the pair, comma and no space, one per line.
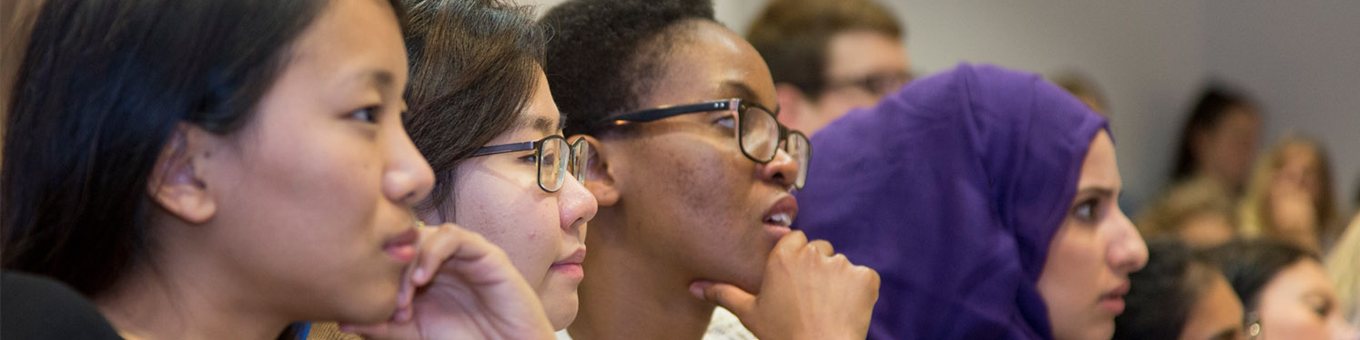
(531,158)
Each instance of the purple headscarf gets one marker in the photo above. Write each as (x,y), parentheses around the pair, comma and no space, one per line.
(952,189)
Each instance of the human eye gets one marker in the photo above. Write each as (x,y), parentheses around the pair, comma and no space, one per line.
(726,121)
(1086,210)
(530,158)
(367,114)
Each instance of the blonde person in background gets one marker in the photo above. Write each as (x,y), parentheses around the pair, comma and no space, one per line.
(1344,266)
(1081,85)
(1198,213)
(1289,196)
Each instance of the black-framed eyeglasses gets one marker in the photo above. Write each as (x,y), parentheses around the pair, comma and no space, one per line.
(758,132)
(552,162)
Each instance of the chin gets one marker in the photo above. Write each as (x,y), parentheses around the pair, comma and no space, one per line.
(371,306)
(562,311)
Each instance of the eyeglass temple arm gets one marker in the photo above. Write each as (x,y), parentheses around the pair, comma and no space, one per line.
(503,148)
(665,112)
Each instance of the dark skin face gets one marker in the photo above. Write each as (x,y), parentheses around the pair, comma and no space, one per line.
(687,197)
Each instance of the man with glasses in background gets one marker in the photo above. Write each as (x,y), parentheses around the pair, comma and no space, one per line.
(829,56)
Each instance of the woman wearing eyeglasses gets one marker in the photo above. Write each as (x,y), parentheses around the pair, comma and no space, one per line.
(694,177)
(480,111)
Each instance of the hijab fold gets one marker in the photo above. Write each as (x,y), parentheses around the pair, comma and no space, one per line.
(951,189)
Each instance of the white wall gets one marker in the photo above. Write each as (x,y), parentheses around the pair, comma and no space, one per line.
(1301,58)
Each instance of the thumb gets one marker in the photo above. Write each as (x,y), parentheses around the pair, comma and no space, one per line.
(728,296)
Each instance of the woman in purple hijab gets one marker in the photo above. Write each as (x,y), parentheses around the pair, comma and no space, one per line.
(986,200)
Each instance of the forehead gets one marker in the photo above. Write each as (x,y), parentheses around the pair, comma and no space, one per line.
(854,52)
(703,61)
(1100,169)
(353,41)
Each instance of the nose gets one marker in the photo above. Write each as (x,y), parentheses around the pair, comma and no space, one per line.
(1128,252)
(782,170)
(407,177)
(576,206)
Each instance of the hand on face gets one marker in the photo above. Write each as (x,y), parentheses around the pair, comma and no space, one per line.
(1292,209)
(461,287)
(808,292)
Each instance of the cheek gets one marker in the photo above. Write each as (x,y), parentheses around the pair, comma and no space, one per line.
(511,213)
(1074,263)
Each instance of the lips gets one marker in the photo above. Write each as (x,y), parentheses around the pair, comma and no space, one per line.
(570,266)
(402,247)
(1113,300)
(779,217)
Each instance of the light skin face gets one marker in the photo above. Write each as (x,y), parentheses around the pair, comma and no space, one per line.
(850,55)
(1226,151)
(1217,315)
(543,233)
(306,211)
(1206,230)
(1295,191)
(1299,303)
(692,200)
(1091,255)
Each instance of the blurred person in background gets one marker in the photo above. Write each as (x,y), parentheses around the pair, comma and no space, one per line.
(1180,296)
(1213,158)
(1219,139)
(1343,264)
(1197,213)
(830,56)
(1290,196)
(1283,285)
(1085,89)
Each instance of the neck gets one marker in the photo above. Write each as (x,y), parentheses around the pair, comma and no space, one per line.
(184,295)
(626,295)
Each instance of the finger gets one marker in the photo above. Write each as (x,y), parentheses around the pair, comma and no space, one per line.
(792,241)
(435,248)
(728,296)
(822,247)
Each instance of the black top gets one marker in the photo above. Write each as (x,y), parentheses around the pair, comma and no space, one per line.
(33,307)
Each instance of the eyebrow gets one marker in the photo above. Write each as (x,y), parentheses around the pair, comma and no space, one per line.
(378,78)
(1096,191)
(540,124)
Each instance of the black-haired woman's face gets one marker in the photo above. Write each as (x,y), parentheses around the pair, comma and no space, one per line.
(313,196)
(700,204)
(1227,149)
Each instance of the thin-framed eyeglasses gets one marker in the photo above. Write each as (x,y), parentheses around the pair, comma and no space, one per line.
(552,163)
(878,84)
(758,132)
